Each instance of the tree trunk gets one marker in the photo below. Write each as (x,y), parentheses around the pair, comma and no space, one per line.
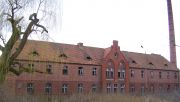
(4,65)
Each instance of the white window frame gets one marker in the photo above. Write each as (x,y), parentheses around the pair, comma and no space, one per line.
(80,88)
(64,88)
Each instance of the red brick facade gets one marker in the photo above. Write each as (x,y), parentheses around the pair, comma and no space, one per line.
(67,69)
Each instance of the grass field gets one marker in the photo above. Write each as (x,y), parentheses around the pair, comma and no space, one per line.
(170,97)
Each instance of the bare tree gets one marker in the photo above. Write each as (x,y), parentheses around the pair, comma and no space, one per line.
(19,19)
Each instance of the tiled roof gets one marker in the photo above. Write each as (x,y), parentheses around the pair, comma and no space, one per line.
(68,53)
(152,61)
(49,51)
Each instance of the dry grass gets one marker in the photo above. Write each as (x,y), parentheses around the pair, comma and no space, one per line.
(93,98)
(6,96)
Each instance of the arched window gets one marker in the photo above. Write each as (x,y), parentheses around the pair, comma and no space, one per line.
(121,71)
(110,70)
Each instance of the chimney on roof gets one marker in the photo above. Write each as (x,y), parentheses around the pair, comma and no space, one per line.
(171,33)
(80,44)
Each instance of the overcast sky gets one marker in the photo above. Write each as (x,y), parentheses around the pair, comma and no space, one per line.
(132,22)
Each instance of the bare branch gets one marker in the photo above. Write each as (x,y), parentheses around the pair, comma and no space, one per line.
(7,14)
(18,20)
(34,21)
(14,71)
(3,39)
(20,69)
(44,29)
(22,41)
(41,1)
(33,17)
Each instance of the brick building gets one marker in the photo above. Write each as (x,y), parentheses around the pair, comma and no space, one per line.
(66,69)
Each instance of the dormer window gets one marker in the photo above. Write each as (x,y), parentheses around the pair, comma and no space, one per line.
(34,53)
(63,55)
(133,61)
(165,65)
(150,63)
(88,58)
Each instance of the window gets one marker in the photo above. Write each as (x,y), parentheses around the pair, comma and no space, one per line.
(64,88)
(123,74)
(110,70)
(109,73)
(176,86)
(122,71)
(65,70)
(175,75)
(132,89)
(80,88)
(94,71)
(142,89)
(165,65)
(122,86)
(167,75)
(168,88)
(132,73)
(152,74)
(80,71)
(160,75)
(49,69)
(142,73)
(152,88)
(150,63)
(116,55)
(160,87)
(115,88)
(133,61)
(31,67)
(94,88)
(119,74)
(88,57)
(30,88)
(48,88)
(63,55)
(108,87)
(34,53)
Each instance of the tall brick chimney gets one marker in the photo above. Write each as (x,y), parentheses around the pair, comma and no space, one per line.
(171,33)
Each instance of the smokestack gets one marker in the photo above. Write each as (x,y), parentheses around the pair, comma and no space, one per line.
(171,34)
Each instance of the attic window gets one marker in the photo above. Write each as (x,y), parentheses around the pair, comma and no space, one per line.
(34,53)
(166,65)
(150,63)
(88,58)
(63,55)
(133,61)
